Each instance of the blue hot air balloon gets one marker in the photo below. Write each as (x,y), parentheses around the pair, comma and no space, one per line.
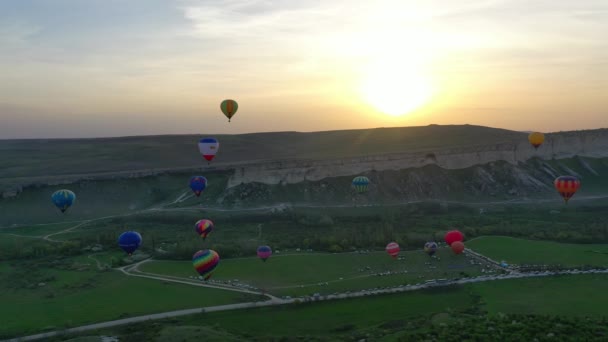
(198,184)
(129,241)
(63,199)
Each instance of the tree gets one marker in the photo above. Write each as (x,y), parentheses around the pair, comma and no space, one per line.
(335,249)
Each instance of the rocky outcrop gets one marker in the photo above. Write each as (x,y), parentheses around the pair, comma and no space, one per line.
(556,146)
(591,143)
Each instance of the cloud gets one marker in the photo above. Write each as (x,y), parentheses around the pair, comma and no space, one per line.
(296,56)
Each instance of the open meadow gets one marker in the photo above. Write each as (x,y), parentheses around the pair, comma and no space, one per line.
(57,294)
(469,309)
(306,274)
(534,252)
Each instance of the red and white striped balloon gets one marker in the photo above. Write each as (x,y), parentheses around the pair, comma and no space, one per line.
(392,249)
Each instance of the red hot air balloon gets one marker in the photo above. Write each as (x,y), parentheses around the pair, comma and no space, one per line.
(457,247)
(393,249)
(567,186)
(453,236)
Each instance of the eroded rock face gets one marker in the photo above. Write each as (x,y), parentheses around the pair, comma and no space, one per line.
(556,146)
(562,145)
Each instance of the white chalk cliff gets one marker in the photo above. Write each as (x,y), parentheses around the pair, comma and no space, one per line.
(556,146)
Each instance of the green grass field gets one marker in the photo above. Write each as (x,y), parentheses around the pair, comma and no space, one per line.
(300,274)
(333,320)
(72,297)
(328,317)
(520,251)
(568,295)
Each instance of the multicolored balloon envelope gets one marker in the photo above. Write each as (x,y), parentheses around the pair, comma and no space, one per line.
(205,262)
(393,249)
(129,241)
(198,184)
(457,247)
(453,236)
(430,248)
(229,108)
(63,199)
(536,139)
(567,186)
(208,147)
(360,184)
(264,252)
(203,227)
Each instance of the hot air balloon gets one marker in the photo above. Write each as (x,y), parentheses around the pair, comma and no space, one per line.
(457,247)
(198,184)
(205,262)
(208,148)
(536,139)
(63,199)
(129,241)
(264,252)
(567,186)
(430,248)
(452,236)
(203,227)
(360,184)
(229,108)
(392,249)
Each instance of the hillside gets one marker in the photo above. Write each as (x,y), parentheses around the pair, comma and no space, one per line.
(49,157)
(403,163)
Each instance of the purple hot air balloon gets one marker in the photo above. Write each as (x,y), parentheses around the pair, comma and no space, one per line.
(264,252)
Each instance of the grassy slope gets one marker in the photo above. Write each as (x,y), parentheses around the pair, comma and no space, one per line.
(27,158)
(520,251)
(38,230)
(96,199)
(111,197)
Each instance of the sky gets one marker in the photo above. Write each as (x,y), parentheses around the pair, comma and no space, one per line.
(100,68)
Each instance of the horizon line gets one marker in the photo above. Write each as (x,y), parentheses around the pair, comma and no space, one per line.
(277,132)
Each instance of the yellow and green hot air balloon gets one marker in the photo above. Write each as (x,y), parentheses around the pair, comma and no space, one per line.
(229,108)
(536,139)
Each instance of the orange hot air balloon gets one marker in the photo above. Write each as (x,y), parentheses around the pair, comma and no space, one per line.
(536,139)
(567,186)
(457,247)
(229,108)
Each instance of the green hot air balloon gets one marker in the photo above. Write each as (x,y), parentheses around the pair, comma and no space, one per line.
(229,108)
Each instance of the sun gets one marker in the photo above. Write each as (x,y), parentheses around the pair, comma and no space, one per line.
(395,87)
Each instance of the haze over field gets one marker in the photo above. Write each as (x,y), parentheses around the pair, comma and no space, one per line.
(112,68)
